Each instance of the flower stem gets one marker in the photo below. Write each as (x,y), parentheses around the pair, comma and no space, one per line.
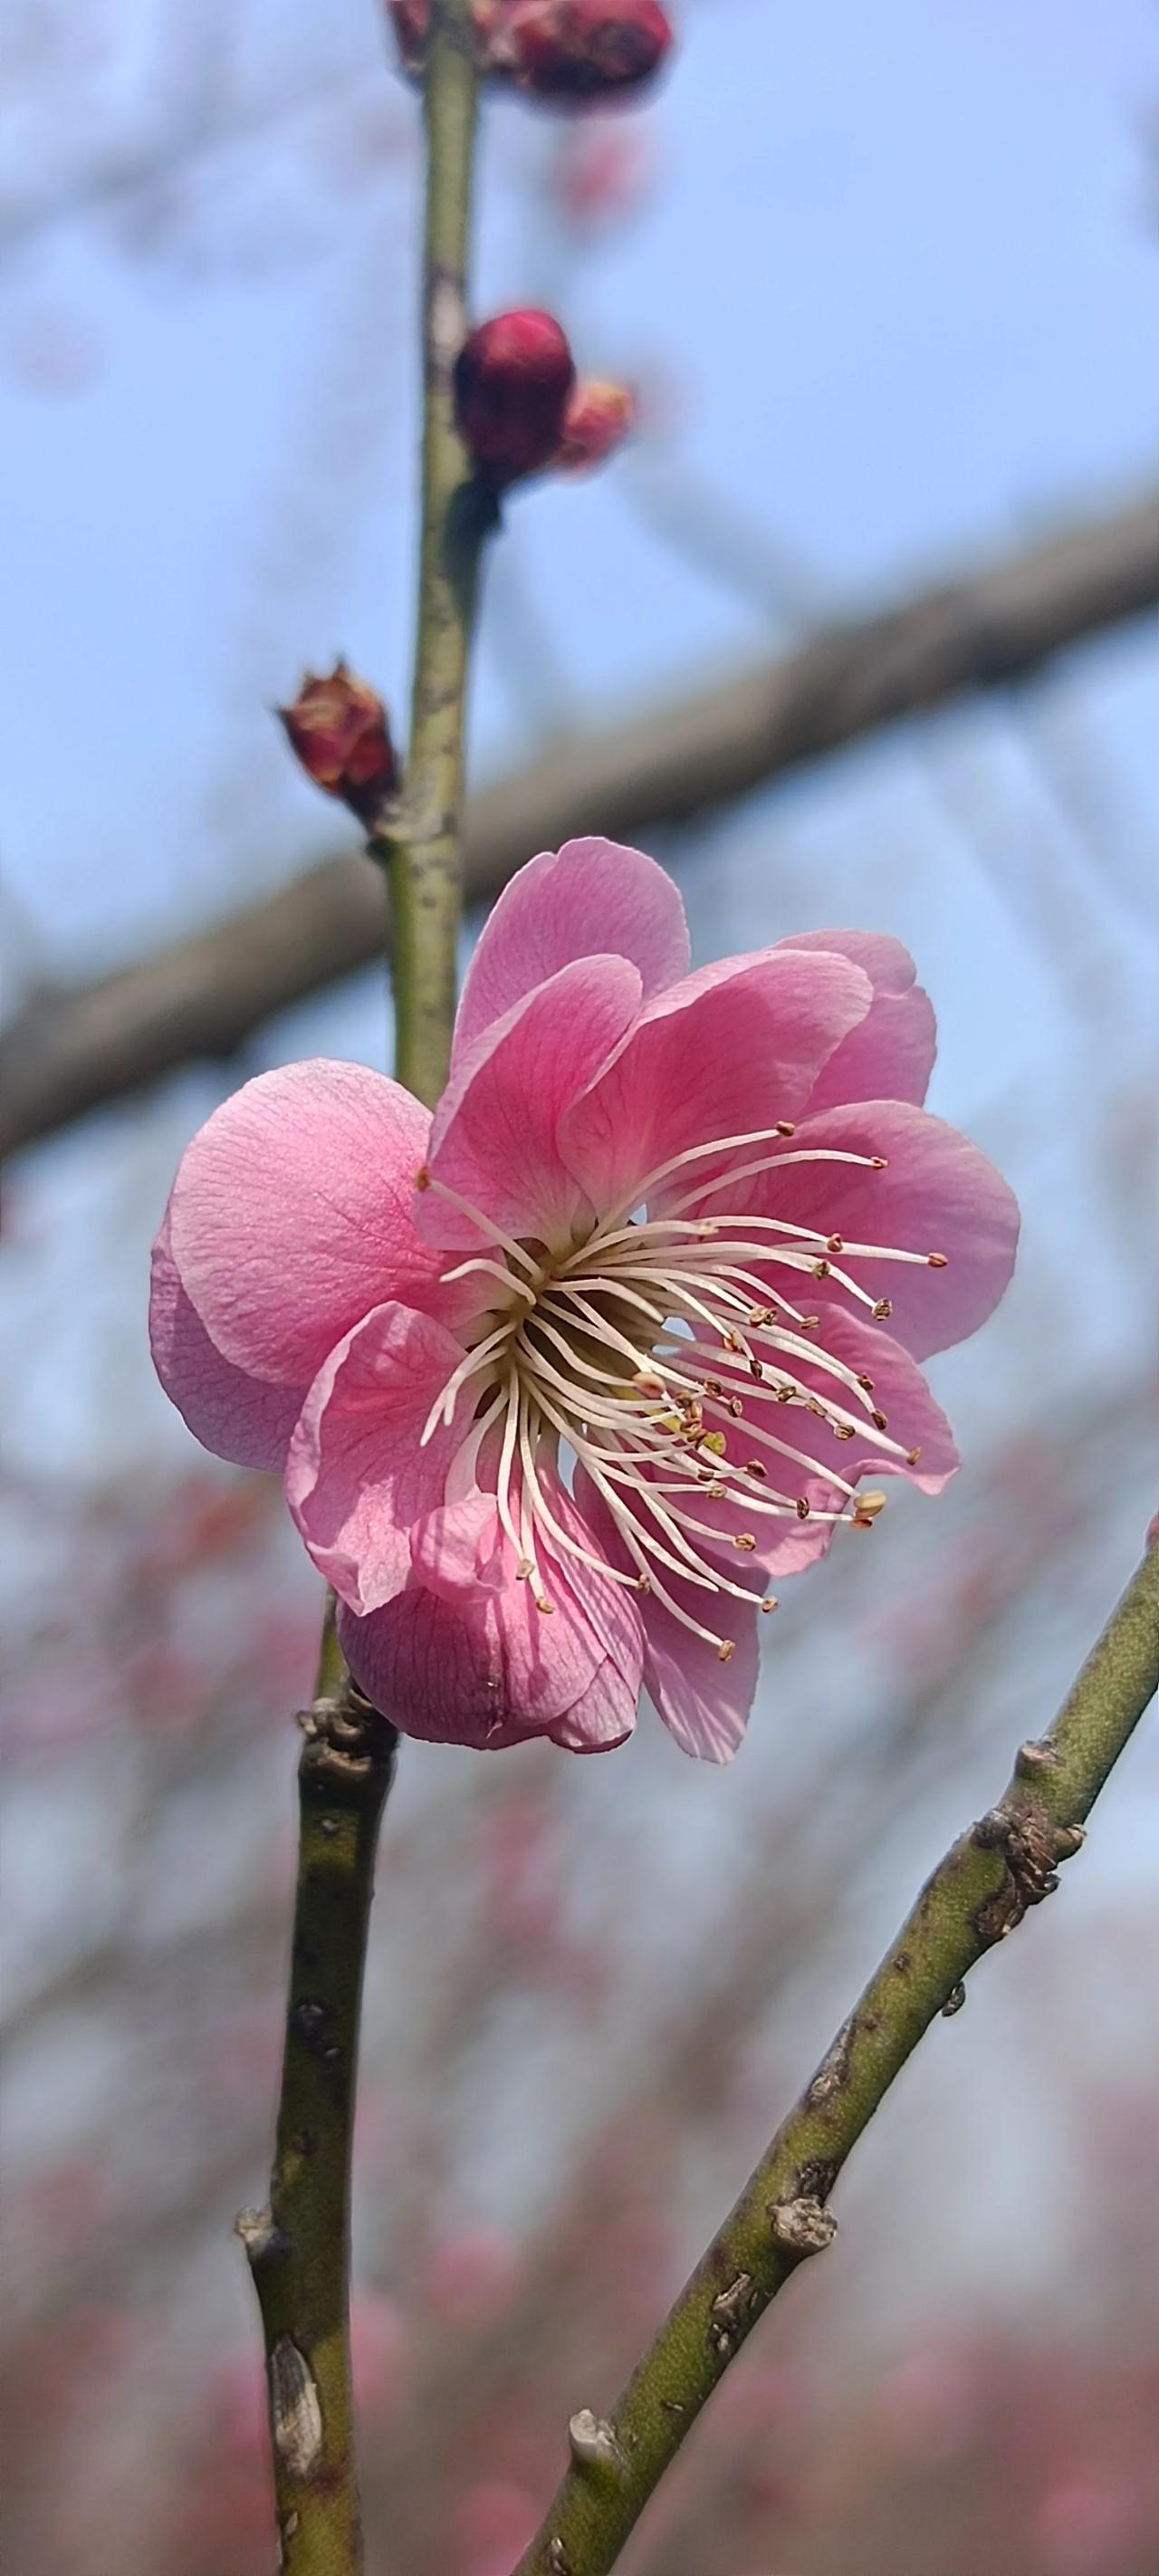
(424,851)
(299,2245)
(977,1894)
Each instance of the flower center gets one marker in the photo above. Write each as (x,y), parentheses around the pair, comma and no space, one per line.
(662,1353)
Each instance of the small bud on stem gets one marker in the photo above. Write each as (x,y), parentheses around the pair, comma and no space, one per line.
(513,379)
(572,50)
(338,731)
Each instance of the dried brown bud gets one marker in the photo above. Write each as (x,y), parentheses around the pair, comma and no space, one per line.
(338,731)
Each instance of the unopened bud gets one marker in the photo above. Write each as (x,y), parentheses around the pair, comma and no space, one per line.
(410,19)
(597,421)
(338,731)
(513,380)
(584,49)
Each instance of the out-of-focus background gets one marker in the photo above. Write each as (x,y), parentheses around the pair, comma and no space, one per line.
(886,280)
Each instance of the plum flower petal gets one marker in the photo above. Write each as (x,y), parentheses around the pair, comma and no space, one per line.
(755,1030)
(554,1647)
(946,1220)
(239,1417)
(457,1549)
(902,1401)
(357,1477)
(494,1139)
(490,1671)
(592,897)
(890,1054)
(704,1701)
(605,1716)
(291,1214)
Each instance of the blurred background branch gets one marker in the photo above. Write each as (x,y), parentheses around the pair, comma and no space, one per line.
(70,1052)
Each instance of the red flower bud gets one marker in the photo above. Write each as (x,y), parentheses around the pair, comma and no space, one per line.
(338,731)
(597,421)
(577,49)
(513,377)
(409,19)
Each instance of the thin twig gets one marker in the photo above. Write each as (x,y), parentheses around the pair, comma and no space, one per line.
(978,1894)
(299,2245)
(424,854)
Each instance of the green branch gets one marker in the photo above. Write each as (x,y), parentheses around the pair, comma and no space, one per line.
(977,1895)
(299,2245)
(424,851)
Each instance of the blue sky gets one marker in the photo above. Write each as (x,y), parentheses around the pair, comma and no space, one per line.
(900,269)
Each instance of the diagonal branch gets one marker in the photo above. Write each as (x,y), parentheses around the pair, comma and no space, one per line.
(977,1895)
(70,1052)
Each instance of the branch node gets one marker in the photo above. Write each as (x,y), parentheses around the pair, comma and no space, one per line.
(802,2227)
(834,2068)
(1026,1838)
(261,2236)
(295,2409)
(594,2444)
(730,2313)
(1035,1757)
(557,2557)
(954,2000)
(347,1742)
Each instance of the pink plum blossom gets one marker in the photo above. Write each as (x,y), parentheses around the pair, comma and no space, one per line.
(560,1378)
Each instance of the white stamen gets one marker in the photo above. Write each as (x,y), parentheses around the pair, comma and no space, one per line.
(648,1350)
